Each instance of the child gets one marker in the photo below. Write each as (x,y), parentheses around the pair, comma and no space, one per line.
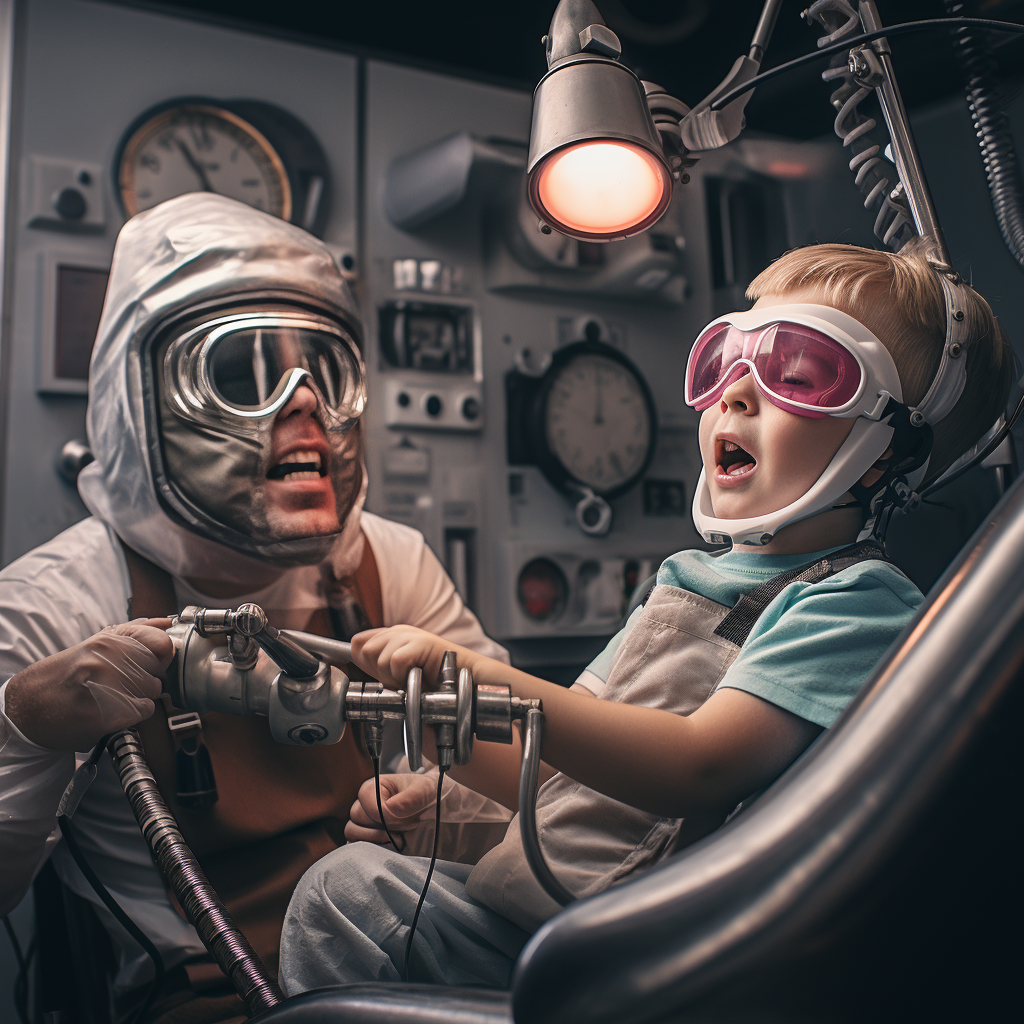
(809,408)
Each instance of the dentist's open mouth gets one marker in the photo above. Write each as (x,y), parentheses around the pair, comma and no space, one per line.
(732,460)
(302,465)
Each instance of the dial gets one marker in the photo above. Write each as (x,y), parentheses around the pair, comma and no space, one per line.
(200,147)
(596,420)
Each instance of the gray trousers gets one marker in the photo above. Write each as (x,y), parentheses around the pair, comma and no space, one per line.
(349,921)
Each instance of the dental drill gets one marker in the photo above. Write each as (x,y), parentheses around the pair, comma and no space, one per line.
(235,662)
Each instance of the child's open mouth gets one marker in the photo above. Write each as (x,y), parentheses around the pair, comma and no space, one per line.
(732,460)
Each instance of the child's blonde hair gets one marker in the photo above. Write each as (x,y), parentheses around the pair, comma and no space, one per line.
(898,296)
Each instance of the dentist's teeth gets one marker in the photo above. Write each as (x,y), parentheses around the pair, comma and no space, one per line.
(729,446)
(304,475)
(308,457)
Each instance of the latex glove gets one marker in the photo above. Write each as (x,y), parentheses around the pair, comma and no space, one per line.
(406,798)
(110,681)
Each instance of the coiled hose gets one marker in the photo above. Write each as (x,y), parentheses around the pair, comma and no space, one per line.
(202,906)
(893,223)
(992,129)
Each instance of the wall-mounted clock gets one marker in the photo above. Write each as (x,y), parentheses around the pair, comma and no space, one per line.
(588,422)
(246,149)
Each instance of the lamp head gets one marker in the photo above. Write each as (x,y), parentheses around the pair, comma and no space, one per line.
(596,169)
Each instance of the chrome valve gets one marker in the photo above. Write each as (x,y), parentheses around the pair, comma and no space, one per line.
(298,681)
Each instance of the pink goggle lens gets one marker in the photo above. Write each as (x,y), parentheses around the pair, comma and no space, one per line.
(793,364)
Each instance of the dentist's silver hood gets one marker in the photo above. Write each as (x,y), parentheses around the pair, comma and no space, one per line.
(191,253)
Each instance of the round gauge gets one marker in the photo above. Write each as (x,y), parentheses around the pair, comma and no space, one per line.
(593,421)
(200,147)
(542,590)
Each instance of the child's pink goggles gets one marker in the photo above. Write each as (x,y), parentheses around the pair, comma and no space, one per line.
(796,367)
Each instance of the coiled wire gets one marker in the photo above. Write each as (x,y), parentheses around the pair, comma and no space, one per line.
(992,129)
(893,223)
(202,906)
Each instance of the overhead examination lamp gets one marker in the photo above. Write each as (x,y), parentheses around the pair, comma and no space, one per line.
(606,148)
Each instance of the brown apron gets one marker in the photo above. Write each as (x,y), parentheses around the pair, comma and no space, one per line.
(280,808)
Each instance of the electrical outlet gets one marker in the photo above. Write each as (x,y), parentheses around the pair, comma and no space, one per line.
(66,195)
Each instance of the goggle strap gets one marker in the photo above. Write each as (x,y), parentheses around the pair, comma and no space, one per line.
(911,446)
(951,376)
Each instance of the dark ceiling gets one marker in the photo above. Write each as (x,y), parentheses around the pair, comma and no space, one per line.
(687,46)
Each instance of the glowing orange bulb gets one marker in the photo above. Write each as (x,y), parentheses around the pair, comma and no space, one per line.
(602,188)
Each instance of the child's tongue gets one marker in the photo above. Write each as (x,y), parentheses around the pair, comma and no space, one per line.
(735,460)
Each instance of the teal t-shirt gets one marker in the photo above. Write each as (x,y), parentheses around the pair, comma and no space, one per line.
(815,645)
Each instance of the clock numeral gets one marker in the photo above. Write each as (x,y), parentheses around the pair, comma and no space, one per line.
(150,161)
(250,182)
(201,137)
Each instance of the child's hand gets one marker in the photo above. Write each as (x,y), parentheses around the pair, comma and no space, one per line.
(388,654)
(405,799)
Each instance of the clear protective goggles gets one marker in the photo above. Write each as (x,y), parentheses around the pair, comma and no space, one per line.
(249,365)
(806,359)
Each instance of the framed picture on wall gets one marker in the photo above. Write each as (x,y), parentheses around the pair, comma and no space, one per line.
(72,292)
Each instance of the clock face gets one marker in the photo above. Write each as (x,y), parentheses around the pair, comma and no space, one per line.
(598,421)
(196,147)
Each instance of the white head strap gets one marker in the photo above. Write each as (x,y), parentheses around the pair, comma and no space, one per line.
(951,376)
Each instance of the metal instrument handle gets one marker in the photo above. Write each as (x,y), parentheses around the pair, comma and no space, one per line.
(413,722)
(335,652)
(533,729)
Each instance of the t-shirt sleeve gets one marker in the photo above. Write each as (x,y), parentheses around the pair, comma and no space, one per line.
(816,645)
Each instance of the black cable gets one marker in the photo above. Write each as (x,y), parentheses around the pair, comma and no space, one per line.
(115,908)
(380,806)
(981,456)
(892,30)
(64,821)
(430,872)
(21,981)
(22,966)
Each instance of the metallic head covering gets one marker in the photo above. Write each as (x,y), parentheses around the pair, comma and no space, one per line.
(185,494)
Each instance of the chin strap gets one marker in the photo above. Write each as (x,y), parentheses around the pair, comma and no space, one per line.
(911,446)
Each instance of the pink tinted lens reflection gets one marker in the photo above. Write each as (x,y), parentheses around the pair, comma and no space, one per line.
(794,364)
(800,364)
(713,354)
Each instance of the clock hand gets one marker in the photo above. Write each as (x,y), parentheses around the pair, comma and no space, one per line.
(598,411)
(195,165)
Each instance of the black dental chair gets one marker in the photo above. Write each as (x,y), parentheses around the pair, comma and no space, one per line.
(876,879)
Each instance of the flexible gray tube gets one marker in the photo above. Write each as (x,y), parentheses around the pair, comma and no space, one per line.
(533,730)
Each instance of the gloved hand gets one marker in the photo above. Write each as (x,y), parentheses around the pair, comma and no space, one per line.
(405,797)
(110,681)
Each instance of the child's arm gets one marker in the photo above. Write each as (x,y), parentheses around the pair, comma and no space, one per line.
(667,764)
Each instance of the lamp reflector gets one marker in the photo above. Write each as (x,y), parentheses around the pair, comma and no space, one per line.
(602,189)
